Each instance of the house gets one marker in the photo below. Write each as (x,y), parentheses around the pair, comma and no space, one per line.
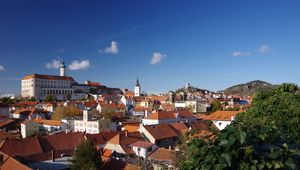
(29,128)
(9,163)
(88,125)
(143,101)
(161,99)
(163,135)
(143,149)
(30,113)
(158,117)
(166,107)
(44,152)
(222,118)
(115,107)
(120,143)
(195,106)
(163,158)
(131,127)
(101,138)
(179,127)
(51,125)
(141,111)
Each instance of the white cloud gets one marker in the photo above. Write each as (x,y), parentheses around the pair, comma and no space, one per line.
(264,48)
(240,53)
(157,58)
(2,68)
(113,49)
(53,65)
(79,65)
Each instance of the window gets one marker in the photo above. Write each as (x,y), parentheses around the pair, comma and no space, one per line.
(220,124)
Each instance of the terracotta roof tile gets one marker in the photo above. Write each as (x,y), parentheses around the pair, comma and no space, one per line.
(131,128)
(161,131)
(48,77)
(22,147)
(222,115)
(102,137)
(142,144)
(161,154)
(10,163)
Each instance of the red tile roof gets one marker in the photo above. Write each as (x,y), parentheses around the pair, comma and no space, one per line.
(61,141)
(102,137)
(23,147)
(142,144)
(9,163)
(161,131)
(48,122)
(222,115)
(48,77)
(180,128)
(160,115)
(161,154)
(6,122)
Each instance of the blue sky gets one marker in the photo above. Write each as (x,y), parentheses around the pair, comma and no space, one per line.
(210,44)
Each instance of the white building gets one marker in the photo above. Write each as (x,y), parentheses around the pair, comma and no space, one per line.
(93,126)
(39,86)
(137,89)
(222,118)
(194,105)
(29,128)
(143,149)
(159,117)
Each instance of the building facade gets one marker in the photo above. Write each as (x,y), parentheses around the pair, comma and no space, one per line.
(39,86)
(137,89)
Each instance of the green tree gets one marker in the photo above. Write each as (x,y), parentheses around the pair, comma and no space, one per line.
(216,105)
(32,99)
(65,111)
(49,98)
(86,156)
(265,137)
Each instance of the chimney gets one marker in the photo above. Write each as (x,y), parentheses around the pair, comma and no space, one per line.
(126,134)
(53,155)
(170,148)
(1,159)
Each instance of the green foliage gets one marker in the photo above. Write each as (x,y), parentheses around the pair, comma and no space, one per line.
(216,105)
(66,111)
(86,156)
(265,137)
(49,98)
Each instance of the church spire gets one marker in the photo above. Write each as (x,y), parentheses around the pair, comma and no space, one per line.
(137,82)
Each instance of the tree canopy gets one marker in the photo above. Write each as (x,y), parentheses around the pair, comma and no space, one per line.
(66,111)
(86,156)
(265,137)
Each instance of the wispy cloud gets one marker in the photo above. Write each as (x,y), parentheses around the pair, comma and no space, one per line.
(157,58)
(264,49)
(2,68)
(79,65)
(113,49)
(59,51)
(241,53)
(54,64)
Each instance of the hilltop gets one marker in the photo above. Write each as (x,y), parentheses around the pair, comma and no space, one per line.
(249,88)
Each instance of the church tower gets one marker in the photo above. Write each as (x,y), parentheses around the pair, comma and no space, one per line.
(62,68)
(137,88)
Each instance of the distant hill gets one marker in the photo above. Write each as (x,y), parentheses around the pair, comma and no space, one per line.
(249,88)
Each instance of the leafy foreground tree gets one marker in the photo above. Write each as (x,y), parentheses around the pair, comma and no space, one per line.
(267,136)
(86,157)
